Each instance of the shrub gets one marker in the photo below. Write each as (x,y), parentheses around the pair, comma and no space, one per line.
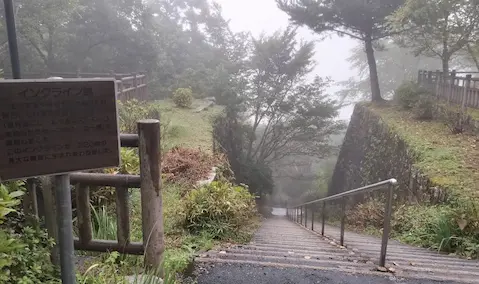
(424,108)
(408,94)
(219,209)
(183,97)
(448,228)
(24,257)
(367,214)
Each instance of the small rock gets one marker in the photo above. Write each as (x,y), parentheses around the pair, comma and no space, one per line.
(392,270)
(381,269)
(222,252)
(351,253)
(342,247)
(307,257)
(355,249)
(332,243)
(412,263)
(291,252)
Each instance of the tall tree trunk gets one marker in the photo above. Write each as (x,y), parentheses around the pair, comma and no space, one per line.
(373,71)
(445,65)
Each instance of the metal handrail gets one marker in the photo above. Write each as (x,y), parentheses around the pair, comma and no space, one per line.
(296,213)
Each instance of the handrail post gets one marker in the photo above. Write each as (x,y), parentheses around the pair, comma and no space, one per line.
(323,217)
(343,219)
(301,217)
(151,192)
(312,218)
(386,225)
(306,216)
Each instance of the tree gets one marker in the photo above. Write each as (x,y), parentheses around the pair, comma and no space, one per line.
(290,116)
(358,19)
(438,28)
(277,112)
(395,65)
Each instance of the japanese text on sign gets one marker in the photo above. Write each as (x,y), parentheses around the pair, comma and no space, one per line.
(57,126)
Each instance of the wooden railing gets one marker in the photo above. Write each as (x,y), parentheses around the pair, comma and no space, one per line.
(460,89)
(128,85)
(149,183)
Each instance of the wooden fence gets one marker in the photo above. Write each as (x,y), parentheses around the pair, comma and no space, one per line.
(149,182)
(453,88)
(128,85)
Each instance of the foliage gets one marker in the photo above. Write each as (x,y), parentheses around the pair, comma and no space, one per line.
(435,227)
(113,268)
(369,213)
(103,224)
(395,65)
(178,43)
(8,200)
(408,94)
(183,97)
(424,109)
(437,28)
(230,138)
(26,257)
(219,209)
(279,114)
(187,166)
(361,20)
(450,162)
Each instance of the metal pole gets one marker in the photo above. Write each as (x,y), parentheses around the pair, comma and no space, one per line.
(386,225)
(312,219)
(323,217)
(306,216)
(343,219)
(12,38)
(65,228)
(301,216)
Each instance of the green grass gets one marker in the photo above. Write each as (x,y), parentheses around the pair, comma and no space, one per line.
(188,128)
(449,160)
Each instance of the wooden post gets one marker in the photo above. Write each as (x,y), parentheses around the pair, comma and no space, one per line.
(123,216)
(151,193)
(135,85)
(429,80)
(84,214)
(467,85)
(452,80)
(419,77)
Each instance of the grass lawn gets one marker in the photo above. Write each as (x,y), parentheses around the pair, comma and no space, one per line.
(189,128)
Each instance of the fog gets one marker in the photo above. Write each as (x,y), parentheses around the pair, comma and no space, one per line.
(331,53)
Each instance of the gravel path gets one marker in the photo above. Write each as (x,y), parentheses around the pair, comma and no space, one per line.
(255,274)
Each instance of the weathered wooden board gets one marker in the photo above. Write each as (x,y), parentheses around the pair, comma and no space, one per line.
(57,126)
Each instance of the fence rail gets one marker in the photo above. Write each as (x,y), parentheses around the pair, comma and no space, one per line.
(296,213)
(128,85)
(148,182)
(461,90)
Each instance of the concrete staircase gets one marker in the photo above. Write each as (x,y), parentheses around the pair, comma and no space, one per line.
(280,243)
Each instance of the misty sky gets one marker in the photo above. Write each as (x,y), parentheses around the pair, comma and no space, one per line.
(259,16)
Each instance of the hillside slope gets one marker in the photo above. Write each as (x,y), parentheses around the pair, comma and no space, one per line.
(437,173)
